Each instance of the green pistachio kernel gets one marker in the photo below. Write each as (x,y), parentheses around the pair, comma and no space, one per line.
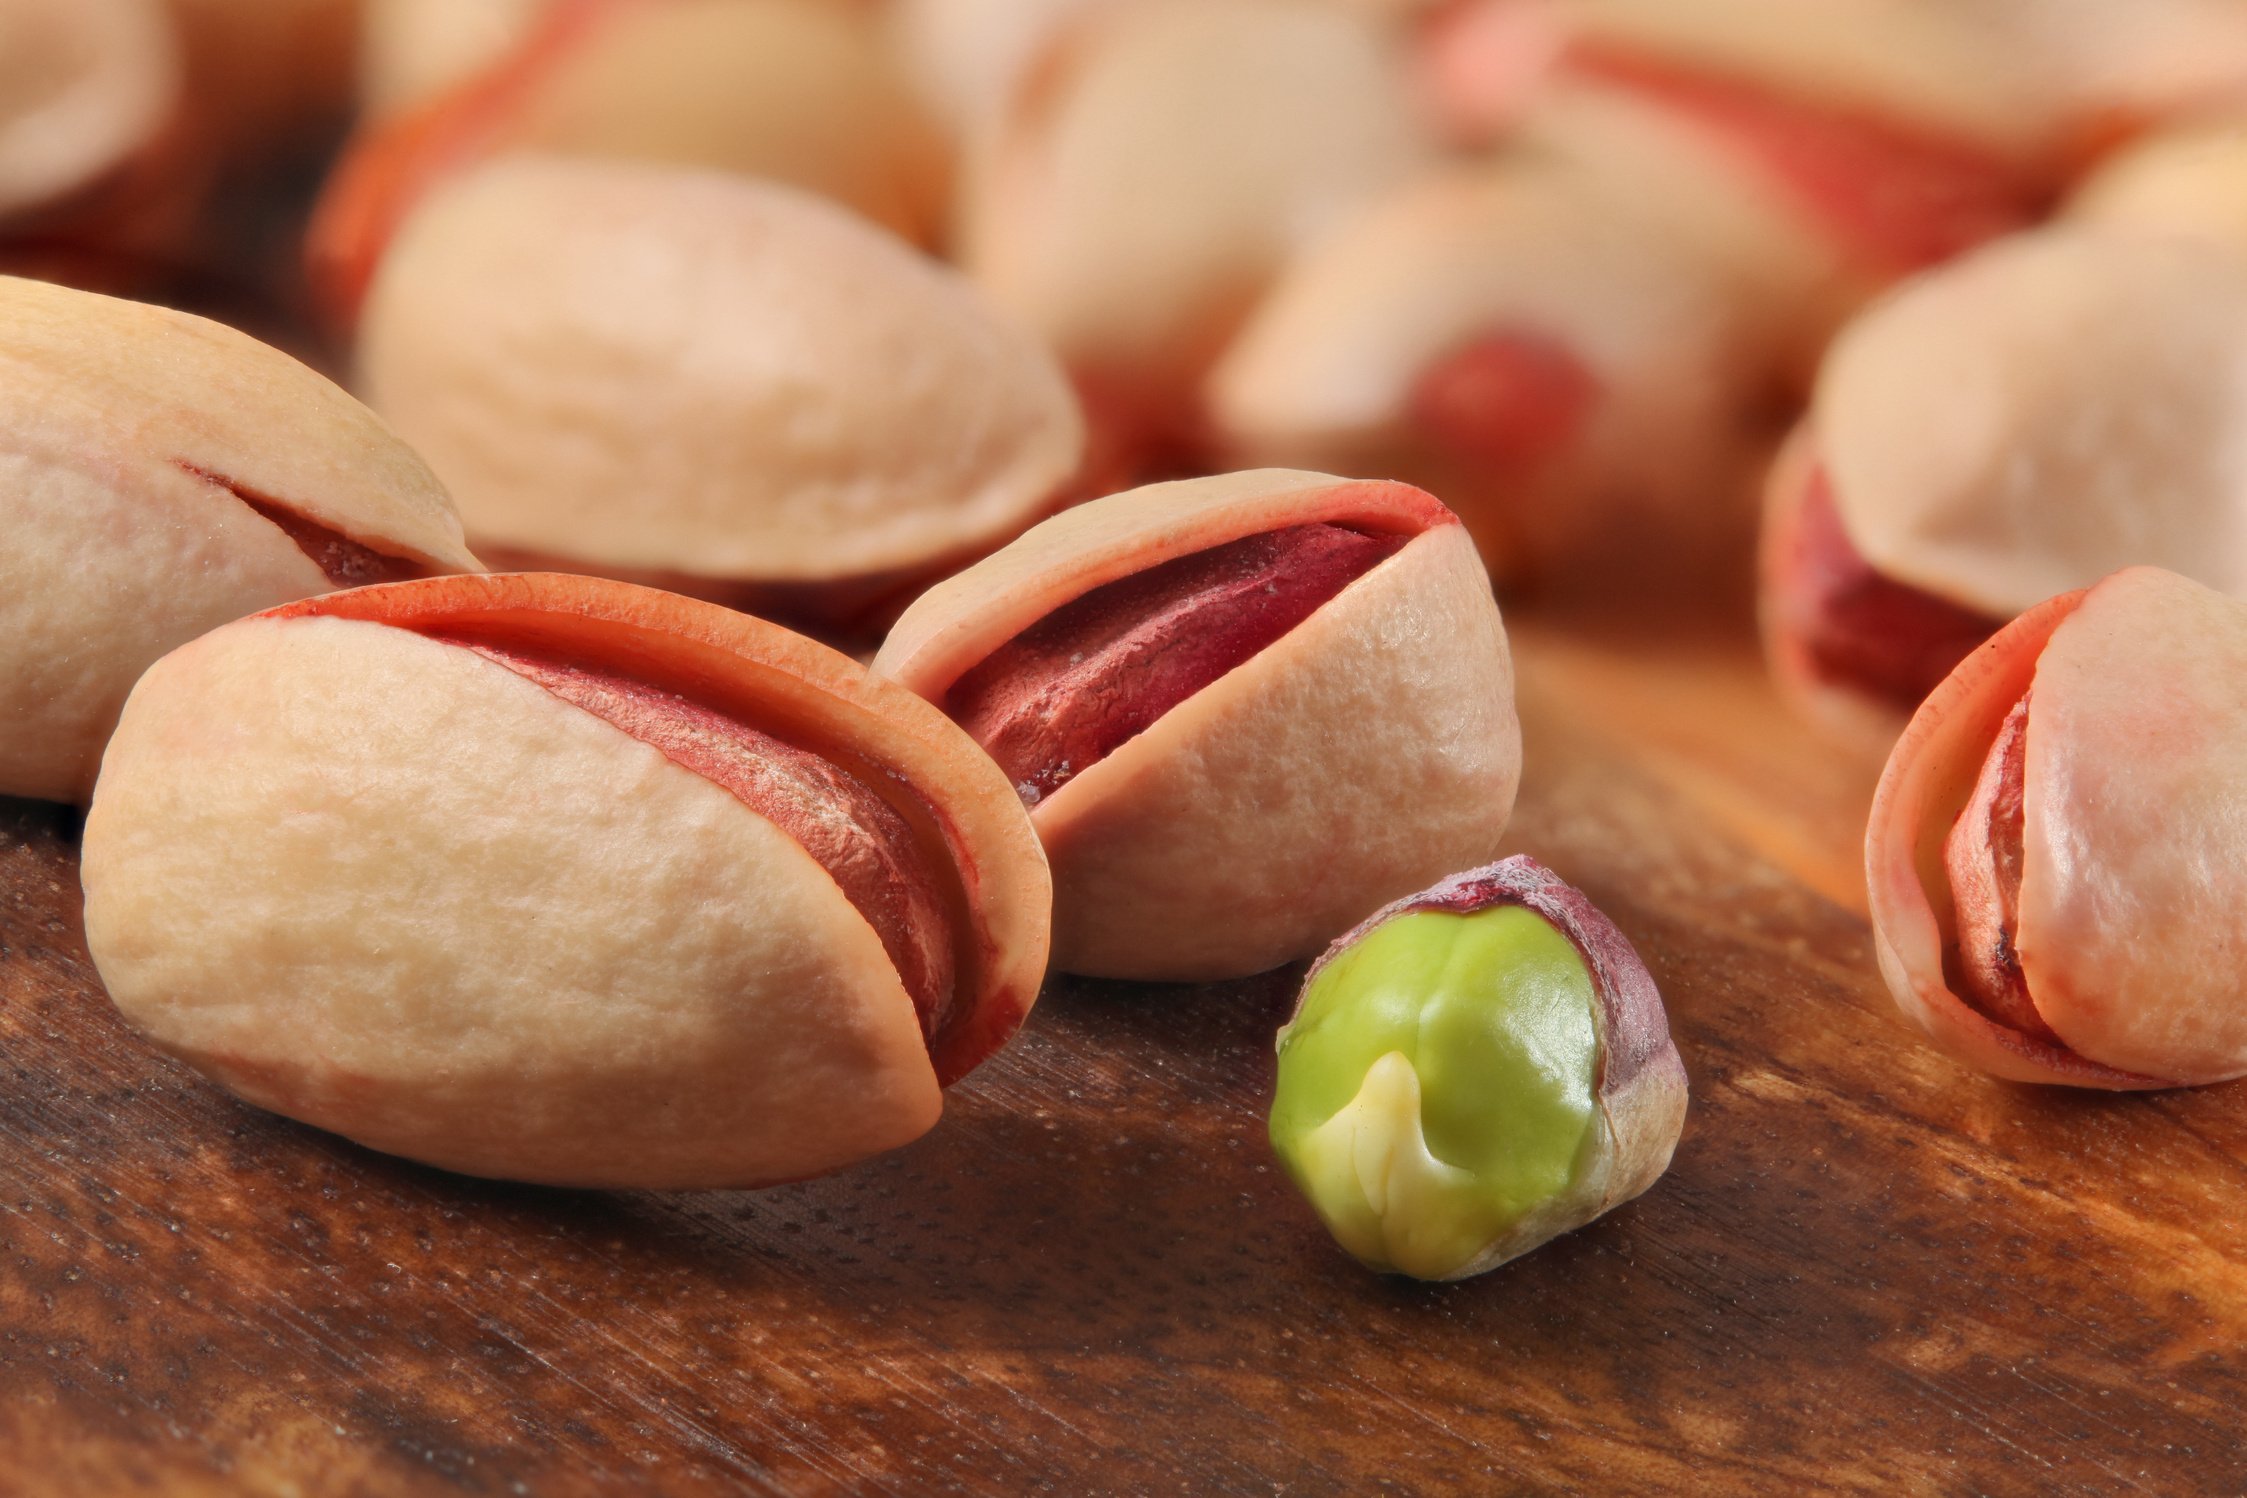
(1437,1091)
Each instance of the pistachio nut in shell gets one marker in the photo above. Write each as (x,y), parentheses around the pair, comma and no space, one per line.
(797,91)
(413,50)
(559,879)
(2186,182)
(721,385)
(1474,1071)
(2019,423)
(1244,710)
(2057,854)
(166,474)
(1134,236)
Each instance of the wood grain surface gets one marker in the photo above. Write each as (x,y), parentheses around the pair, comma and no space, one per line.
(1868,1271)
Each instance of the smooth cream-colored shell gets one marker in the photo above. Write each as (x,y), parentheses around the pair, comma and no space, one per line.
(2133,914)
(1929,66)
(117,422)
(658,368)
(1669,288)
(84,86)
(1929,777)
(1165,158)
(2034,416)
(2189,183)
(797,91)
(381,884)
(1368,752)
(411,50)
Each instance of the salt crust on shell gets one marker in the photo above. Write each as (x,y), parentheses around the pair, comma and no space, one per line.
(2133,916)
(384,885)
(2027,419)
(117,552)
(84,86)
(1929,777)
(666,369)
(1132,237)
(1242,829)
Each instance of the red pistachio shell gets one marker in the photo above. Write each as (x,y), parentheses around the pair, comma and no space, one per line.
(2133,860)
(1359,754)
(506,876)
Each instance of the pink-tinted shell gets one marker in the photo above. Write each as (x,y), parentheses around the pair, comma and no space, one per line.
(1365,753)
(2135,862)
(1641,1083)
(370,878)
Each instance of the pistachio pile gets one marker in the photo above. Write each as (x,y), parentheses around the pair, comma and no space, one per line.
(958,335)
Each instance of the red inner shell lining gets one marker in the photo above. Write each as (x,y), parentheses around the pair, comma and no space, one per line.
(1510,399)
(863,843)
(1983,857)
(1907,196)
(1858,628)
(1096,672)
(344,562)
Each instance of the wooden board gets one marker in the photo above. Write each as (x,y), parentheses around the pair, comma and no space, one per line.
(1868,1272)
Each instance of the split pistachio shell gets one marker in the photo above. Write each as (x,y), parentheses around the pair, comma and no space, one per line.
(2132,840)
(2189,183)
(1359,754)
(544,878)
(796,91)
(1566,348)
(639,369)
(2033,417)
(87,87)
(1474,1071)
(1134,238)
(165,475)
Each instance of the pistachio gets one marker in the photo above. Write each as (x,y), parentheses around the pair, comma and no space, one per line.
(411,51)
(1474,1071)
(795,91)
(166,475)
(730,388)
(1244,710)
(2056,857)
(2186,182)
(1133,237)
(559,879)
(2017,424)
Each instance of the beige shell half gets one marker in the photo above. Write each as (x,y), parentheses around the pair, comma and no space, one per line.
(480,928)
(2135,845)
(2042,412)
(2188,183)
(1368,752)
(1132,236)
(85,86)
(121,428)
(661,369)
(797,91)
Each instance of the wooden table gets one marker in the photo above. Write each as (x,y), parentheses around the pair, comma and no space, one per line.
(1868,1271)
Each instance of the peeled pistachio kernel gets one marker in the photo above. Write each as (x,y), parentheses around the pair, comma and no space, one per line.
(159,476)
(1473,1072)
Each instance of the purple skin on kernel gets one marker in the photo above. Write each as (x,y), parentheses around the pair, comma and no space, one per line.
(1983,858)
(865,846)
(1072,688)
(1860,629)
(344,562)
